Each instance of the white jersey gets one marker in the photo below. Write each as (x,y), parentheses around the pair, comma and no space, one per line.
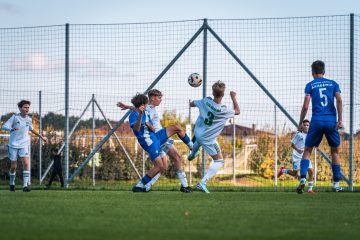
(154,117)
(211,120)
(19,138)
(299,142)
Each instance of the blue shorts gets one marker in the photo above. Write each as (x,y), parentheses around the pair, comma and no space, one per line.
(318,129)
(154,149)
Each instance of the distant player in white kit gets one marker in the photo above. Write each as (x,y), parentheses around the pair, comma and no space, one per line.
(212,118)
(19,126)
(298,145)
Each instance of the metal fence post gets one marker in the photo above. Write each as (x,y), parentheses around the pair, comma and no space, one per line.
(351,150)
(40,141)
(66,131)
(204,83)
(93,138)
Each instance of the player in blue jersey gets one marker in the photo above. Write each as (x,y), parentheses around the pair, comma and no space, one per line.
(19,126)
(212,118)
(150,139)
(325,120)
(155,98)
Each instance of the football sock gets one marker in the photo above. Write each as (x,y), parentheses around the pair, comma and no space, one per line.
(304,166)
(195,147)
(302,180)
(182,177)
(310,185)
(143,181)
(153,180)
(187,141)
(26,175)
(12,178)
(213,169)
(336,172)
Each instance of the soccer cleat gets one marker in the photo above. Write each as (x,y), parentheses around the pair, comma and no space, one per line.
(12,188)
(26,189)
(280,172)
(311,191)
(202,187)
(185,189)
(338,189)
(300,188)
(193,155)
(138,189)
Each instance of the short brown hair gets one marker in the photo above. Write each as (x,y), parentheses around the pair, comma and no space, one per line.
(154,92)
(218,89)
(23,102)
(318,67)
(139,99)
(306,121)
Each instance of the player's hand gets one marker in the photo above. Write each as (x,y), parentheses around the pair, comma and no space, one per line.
(122,106)
(339,125)
(44,138)
(232,94)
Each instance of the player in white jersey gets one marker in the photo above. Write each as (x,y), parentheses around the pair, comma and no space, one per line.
(212,118)
(19,126)
(155,98)
(298,145)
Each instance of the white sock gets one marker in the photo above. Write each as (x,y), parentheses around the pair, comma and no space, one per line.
(310,185)
(140,184)
(153,181)
(12,178)
(336,184)
(302,180)
(213,169)
(182,177)
(190,145)
(195,147)
(26,175)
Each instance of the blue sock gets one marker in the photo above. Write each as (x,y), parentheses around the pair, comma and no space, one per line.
(186,139)
(336,172)
(304,166)
(145,179)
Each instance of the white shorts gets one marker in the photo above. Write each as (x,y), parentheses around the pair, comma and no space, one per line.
(211,148)
(296,164)
(165,147)
(14,153)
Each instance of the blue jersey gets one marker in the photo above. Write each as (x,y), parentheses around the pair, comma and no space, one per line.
(322,92)
(144,135)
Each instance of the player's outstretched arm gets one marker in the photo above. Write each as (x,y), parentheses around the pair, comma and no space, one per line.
(39,135)
(304,110)
(235,103)
(192,104)
(339,108)
(123,106)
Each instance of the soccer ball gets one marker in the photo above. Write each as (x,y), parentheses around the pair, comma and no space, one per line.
(195,80)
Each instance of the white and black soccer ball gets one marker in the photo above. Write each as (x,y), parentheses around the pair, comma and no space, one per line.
(195,80)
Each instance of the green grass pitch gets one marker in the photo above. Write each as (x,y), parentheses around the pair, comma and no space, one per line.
(174,215)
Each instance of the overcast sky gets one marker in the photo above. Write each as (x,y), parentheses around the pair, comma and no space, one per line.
(18,13)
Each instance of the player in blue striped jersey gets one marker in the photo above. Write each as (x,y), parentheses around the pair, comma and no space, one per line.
(325,120)
(150,139)
(155,98)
